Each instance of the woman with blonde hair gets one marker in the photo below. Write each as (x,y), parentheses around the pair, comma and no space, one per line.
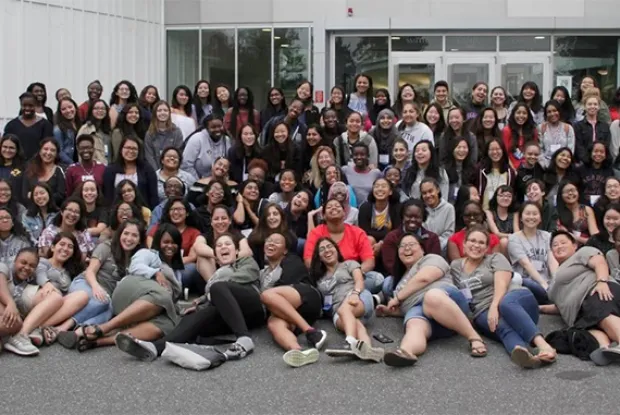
(162,133)
(321,160)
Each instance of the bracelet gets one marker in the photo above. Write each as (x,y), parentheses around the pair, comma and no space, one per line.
(607,280)
(355,292)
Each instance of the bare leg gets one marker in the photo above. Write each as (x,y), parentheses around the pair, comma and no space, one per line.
(503,246)
(611,326)
(206,267)
(547,352)
(144,331)
(601,337)
(44,308)
(138,312)
(362,333)
(440,307)
(283,303)
(71,304)
(282,334)
(417,332)
(66,325)
(348,318)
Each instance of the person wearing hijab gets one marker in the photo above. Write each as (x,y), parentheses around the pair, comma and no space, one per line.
(384,133)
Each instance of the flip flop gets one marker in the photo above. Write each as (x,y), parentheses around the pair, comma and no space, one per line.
(50,335)
(477,351)
(523,358)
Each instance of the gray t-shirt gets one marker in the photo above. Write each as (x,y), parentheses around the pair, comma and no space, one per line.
(536,249)
(108,275)
(573,281)
(338,285)
(613,260)
(269,277)
(481,281)
(361,182)
(59,277)
(430,260)
(16,286)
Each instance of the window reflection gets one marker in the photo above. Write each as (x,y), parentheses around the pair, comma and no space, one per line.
(368,54)
(182,58)
(290,59)
(218,56)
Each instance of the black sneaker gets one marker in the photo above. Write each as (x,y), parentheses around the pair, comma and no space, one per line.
(316,338)
(343,350)
(378,299)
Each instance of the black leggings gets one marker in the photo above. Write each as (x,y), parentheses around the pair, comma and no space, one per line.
(235,308)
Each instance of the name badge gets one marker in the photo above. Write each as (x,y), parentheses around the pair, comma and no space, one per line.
(594,199)
(555,147)
(384,158)
(538,265)
(456,192)
(105,149)
(88,177)
(327,302)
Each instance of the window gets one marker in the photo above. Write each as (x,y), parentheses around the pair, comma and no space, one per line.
(416,43)
(218,57)
(596,56)
(254,57)
(471,43)
(530,43)
(367,54)
(182,58)
(290,59)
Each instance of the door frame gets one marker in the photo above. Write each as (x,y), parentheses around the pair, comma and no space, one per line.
(543,58)
(405,58)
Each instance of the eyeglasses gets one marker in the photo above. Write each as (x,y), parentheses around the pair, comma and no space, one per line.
(171,157)
(325,248)
(178,210)
(99,109)
(72,211)
(272,241)
(410,245)
(9,148)
(5,218)
(5,190)
(131,149)
(505,196)
(124,211)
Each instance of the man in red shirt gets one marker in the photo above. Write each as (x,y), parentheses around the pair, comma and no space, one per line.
(86,168)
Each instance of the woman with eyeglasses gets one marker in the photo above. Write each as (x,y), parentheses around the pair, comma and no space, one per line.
(130,165)
(432,306)
(97,125)
(170,160)
(560,168)
(127,192)
(501,310)
(473,215)
(611,195)
(71,218)
(123,93)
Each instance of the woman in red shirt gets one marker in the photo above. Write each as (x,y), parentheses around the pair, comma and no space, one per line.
(472,215)
(242,112)
(179,213)
(521,129)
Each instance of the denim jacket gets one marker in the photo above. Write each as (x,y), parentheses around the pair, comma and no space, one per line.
(66,142)
(35,225)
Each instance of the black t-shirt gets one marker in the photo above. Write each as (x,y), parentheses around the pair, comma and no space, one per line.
(96,217)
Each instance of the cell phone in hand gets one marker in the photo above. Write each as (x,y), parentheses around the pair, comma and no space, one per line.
(382,338)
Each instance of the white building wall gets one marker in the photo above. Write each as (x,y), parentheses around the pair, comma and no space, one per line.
(68,43)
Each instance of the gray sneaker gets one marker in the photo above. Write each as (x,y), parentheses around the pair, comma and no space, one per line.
(298,358)
(21,345)
(365,351)
(140,349)
(239,349)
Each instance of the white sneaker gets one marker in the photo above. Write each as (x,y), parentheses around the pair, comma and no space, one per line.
(21,345)
(298,358)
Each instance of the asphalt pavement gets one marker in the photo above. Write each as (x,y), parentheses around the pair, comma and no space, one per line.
(446,380)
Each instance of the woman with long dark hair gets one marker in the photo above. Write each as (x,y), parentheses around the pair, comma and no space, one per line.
(41,211)
(406,95)
(201,104)
(129,124)
(12,162)
(574,216)
(425,164)
(130,165)
(44,168)
(243,150)
(361,100)
(181,106)
(98,126)
(123,93)
(521,129)
(337,105)
(499,105)
(96,213)
(242,112)
(274,107)
(28,127)
(561,167)
(281,152)
(222,101)
(486,127)
(149,96)
(304,92)
(494,170)
(39,91)
(596,168)
(354,134)
(459,166)
(561,95)
(434,118)
(610,194)
(455,129)
(161,134)
(554,132)
(530,96)
(65,131)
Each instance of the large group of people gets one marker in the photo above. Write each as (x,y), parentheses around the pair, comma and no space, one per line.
(468,218)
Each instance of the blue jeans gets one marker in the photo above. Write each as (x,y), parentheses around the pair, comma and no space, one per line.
(95,312)
(437,330)
(301,242)
(373,281)
(518,316)
(539,292)
(369,308)
(387,289)
(190,278)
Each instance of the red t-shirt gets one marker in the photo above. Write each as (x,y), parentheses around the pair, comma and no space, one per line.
(459,238)
(507,139)
(354,244)
(188,237)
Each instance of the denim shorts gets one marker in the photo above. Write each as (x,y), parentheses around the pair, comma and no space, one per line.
(437,330)
(369,308)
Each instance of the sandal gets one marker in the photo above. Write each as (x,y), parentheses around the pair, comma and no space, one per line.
(522,357)
(399,358)
(50,334)
(477,351)
(69,339)
(89,339)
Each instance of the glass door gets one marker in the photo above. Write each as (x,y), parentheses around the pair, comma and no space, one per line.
(523,67)
(464,71)
(421,70)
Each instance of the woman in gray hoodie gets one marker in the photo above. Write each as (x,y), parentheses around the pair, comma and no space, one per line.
(162,133)
(354,134)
